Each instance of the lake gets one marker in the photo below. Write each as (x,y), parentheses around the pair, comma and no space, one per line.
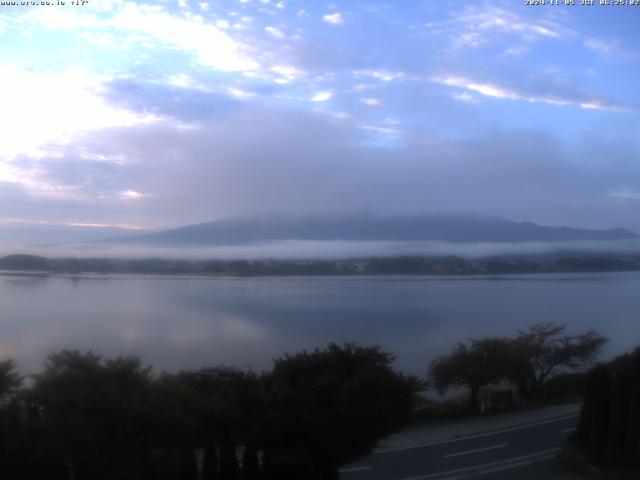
(187,322)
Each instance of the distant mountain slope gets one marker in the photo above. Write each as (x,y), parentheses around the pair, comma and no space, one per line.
(458,229)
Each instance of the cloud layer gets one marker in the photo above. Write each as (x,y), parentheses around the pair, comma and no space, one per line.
(166,114)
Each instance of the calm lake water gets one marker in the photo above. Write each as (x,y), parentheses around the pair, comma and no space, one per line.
(186,322)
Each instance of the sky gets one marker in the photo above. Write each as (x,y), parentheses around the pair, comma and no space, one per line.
(134,115)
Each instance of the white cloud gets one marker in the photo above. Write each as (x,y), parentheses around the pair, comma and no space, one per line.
(41,113)
(61,19)
(101,40)
(625,193)
(517,50)
(463,97)
(382,130)
(361,87)
(190,33)
(287,73)
(322,96)
(104,5)
(211,46)
(372,102)
(469,40)
(603,47)
(182,80)
(486,89)
(476,26)
(333,18)
(610,48)
(273,31)
(382,75)
(131,195)
(40,108)
(596,105)
(239,93)
(497,91)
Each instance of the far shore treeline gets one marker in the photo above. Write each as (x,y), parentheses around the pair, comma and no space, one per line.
(395,265)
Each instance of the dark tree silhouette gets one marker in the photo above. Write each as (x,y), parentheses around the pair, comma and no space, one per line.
(329,407)
(90,418)
(544,350)
(229,466)
(230,412)
(12,431)
(250,464)
(210,460)
(95,413)
(10,381)
(187,464)
(483,362)
(528,361)
(609,426)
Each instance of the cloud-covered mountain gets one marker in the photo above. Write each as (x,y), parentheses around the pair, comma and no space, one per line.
(190,111)
(441,228)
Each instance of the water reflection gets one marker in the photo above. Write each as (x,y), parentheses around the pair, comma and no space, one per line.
(184,322)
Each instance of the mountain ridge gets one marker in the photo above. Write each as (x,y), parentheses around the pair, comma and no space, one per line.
(442,228)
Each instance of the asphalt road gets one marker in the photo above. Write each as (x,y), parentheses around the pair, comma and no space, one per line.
(521,452)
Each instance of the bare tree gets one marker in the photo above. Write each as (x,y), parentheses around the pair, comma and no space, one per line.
(545,349)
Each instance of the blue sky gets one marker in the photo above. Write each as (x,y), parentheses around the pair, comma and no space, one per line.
(152,115)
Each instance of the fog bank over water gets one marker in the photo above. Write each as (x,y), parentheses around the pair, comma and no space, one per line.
(297,249)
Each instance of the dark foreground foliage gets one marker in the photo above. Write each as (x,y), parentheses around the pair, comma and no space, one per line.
(609,427)
(89,418)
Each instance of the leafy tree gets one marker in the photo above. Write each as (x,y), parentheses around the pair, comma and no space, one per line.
(329,407)
(483,362)
(174,406)
(95,412)
(528,360)
(10,381)
(11,425)
(544,349)
(230,412)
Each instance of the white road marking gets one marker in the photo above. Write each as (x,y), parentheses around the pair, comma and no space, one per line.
(471,437)
(354,469)
(567,430)
(511,466)
(468,452)
(515,461)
